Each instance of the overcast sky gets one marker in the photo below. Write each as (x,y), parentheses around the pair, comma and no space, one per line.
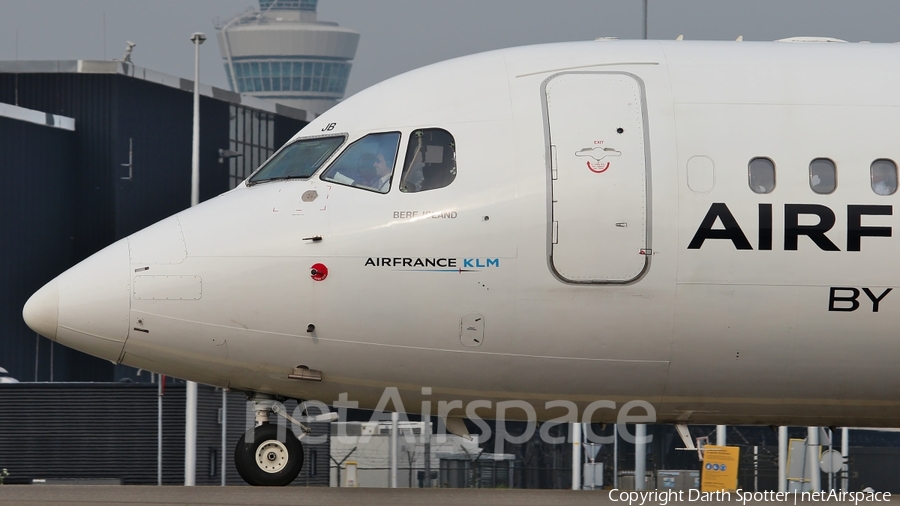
(400,35)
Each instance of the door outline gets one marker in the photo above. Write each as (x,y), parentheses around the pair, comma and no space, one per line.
(548,158)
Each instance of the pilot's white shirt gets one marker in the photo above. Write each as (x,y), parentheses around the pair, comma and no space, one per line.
(384,184)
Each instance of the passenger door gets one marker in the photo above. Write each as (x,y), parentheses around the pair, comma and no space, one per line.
(596,124)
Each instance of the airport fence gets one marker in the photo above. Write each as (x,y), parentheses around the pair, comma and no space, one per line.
(477,474)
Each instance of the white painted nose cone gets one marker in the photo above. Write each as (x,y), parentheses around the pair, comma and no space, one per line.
(41,312)
(87,307)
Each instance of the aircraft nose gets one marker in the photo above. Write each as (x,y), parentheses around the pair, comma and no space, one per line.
(41,311)
(87,307)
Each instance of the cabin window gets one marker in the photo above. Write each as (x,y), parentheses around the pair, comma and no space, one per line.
(367,163)
(762,175)
(298,160)
(884,176)
(430,161)
(822,176)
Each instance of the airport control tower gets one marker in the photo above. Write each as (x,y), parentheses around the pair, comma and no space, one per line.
(283,53)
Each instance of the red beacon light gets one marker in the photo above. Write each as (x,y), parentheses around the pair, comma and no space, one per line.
(318,272)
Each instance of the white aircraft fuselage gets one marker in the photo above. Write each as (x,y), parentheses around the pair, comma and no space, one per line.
(600,241)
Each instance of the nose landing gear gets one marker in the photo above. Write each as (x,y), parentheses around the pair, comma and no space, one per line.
(265,458)
(269,454)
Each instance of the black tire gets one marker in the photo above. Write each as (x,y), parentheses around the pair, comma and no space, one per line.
(280,459)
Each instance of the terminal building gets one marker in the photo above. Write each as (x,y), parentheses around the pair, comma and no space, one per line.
(283,53)
(93,151)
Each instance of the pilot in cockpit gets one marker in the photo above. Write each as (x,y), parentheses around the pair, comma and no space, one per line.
(373,172)
(366,173)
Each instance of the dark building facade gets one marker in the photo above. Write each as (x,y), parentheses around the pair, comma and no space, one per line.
(96,431)
(37,163)
(126,165)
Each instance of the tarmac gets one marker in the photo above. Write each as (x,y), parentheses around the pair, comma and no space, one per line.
(35,495)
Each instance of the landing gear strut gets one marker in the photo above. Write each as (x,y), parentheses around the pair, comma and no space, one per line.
(269,454)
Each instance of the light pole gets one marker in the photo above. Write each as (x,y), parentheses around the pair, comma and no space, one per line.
(576,456)
(197,38)
(645,19)
(190,410)
(395,418)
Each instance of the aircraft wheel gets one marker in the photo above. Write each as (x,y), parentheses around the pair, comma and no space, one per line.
(268,460)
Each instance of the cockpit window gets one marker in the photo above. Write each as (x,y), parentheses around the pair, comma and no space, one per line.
(298,160)
(367,163)
(430,161)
